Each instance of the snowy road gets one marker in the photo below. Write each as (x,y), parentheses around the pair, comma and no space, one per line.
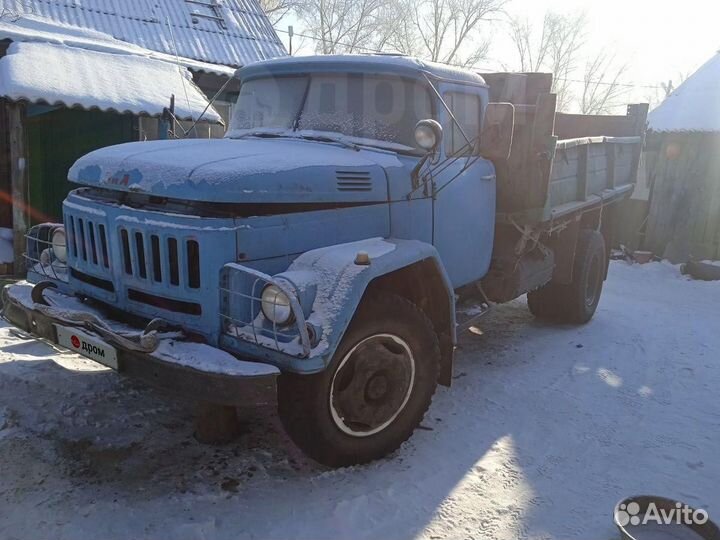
(543,431)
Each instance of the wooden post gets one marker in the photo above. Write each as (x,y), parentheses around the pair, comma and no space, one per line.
(18,180)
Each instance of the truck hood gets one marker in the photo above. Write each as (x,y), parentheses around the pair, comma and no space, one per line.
(240,171)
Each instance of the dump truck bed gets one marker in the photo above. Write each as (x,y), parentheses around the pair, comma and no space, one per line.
(590,170)
(561,164)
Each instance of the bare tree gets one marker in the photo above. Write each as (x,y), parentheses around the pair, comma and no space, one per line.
(531,52)
(396,31)
(13,10)
(276,10)
(554,47)
(654,95)
(601,84)
(341,26)
(670,86)
(439,30)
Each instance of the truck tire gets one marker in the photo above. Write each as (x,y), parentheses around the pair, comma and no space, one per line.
(576,302)
(544,302)
(375,391)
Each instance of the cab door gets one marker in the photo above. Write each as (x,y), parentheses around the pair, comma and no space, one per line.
(464,203)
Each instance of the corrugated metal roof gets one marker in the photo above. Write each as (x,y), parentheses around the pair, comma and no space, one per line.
(229,32)
(35,29)
(75,77)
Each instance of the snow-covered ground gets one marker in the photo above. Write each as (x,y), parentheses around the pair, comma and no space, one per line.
(544,430)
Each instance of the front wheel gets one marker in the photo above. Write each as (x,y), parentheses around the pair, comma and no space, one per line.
(375,391)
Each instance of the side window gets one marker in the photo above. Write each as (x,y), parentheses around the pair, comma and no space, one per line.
(466,109)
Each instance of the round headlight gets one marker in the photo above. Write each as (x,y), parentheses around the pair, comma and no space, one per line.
(59,245)
(276,305)
(428,134)
(425,137)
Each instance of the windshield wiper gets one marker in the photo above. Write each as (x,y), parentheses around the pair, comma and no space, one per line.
(321,138)
(318,138)
(261,134)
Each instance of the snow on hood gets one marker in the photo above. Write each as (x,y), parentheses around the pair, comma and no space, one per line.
(227,170)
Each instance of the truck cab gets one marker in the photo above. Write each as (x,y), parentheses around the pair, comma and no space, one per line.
(322,244)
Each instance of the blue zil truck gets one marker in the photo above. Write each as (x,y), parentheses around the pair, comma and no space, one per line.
(324,249)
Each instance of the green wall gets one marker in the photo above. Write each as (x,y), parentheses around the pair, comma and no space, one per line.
(56,139)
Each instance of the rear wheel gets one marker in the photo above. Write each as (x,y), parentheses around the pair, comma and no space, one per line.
(375,391)
(576,302)
(544,302)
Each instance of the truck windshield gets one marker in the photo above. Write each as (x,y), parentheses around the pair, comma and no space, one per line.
(380,108)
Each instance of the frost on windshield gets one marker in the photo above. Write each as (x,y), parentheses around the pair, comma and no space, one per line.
(383,108)
(352,125)
(269,103)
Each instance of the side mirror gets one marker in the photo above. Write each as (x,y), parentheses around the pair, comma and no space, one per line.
(428,134)
(497,133)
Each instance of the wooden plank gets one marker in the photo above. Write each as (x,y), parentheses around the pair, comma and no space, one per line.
(573,126)
(582,172)
(683,218)
(711,232)
(18,180)
(610,152)
(541,152)
(5,199)
(518,88)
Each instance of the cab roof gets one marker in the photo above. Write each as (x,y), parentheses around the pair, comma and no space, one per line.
(355,63)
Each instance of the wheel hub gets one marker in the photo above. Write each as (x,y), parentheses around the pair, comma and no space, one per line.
(372,385)
(376,388)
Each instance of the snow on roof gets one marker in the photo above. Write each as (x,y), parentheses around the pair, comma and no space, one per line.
(72,76)
(231,33)
(32,28)
(694,106)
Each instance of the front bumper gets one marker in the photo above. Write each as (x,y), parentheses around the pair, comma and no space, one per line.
(196,371)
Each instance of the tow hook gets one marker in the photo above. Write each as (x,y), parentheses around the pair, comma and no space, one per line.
(145,341)
(37,292)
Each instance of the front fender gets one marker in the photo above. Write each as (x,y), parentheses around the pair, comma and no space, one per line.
(340,283)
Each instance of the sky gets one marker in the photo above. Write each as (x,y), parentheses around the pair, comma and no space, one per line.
(659,40)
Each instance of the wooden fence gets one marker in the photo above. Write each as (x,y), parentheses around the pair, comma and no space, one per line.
(684,216)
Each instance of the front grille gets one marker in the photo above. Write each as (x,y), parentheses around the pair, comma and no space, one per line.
(88,241)
(103,284)
(162,259)
(169,304)
(148,264)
